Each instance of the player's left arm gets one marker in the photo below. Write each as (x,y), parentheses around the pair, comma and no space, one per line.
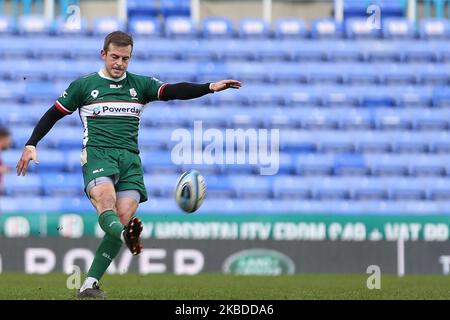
(187,90)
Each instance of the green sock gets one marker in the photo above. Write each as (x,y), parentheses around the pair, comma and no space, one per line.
(106,252)
(110,223)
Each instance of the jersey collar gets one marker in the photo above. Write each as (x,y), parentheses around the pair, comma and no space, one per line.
(102,74)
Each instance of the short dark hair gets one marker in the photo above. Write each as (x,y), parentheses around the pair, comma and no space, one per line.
(4,132)
(119,38)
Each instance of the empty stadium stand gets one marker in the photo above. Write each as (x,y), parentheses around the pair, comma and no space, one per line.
(363,114)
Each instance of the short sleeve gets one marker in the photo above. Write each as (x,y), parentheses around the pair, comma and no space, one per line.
(154,88)
(70,100)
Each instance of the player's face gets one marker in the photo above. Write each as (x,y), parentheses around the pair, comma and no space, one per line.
(116,60)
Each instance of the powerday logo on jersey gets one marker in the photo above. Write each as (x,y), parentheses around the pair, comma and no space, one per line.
(112,109)
(96,111)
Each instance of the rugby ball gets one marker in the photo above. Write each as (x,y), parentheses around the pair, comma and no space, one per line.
(190,191)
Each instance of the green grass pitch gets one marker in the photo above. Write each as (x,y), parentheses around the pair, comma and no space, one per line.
(219,286)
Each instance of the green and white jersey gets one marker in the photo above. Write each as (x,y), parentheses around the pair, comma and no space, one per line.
(110,109)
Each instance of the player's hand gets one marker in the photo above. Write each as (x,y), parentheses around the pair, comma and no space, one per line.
(29,153)
(224,84)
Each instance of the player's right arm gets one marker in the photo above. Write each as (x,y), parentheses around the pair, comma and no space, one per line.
(66,104)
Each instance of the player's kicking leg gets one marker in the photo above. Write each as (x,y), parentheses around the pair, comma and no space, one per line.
(112,221)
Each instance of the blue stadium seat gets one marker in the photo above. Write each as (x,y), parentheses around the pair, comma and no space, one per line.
(286,163)
(354,8)
(428,165)
(49,161)
(88,50)
(397,74)
(23,115)
(352,164)
(101,26)
(352,118)
(340,50)
(271,50)
(331,189)
(360,28)
(289,27)
(284,72)
(15,47)
(439,189)
(439,142)
(297,141)
(395,28)
(158,161)
(164,206)
(169,8)
(314,164)
(7,25)
(316,118)
(33,24)
(19,186)
(369,189)
(323,73)
(73,160)
(62,184)
(80,205)
(153,139)
(218,186)
(432,74)
(217,27)
(30,204)
(253,28)
(429,119)
(40,91)
(144,26)
(71,27)
(391,8)
(420,51)
(65,138)
(390,119)
(11,157)
(161,185)
(198,51)
(280,118)
(168,71)
(291,188)
(359,74)
(28,70)
(387,164)
(406,189)
(20,135)
(51,48)
(248,72)
(249,186)
(142,9)
(179,26)
(406,142)
(326,28)
(433,28)
(236,50)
